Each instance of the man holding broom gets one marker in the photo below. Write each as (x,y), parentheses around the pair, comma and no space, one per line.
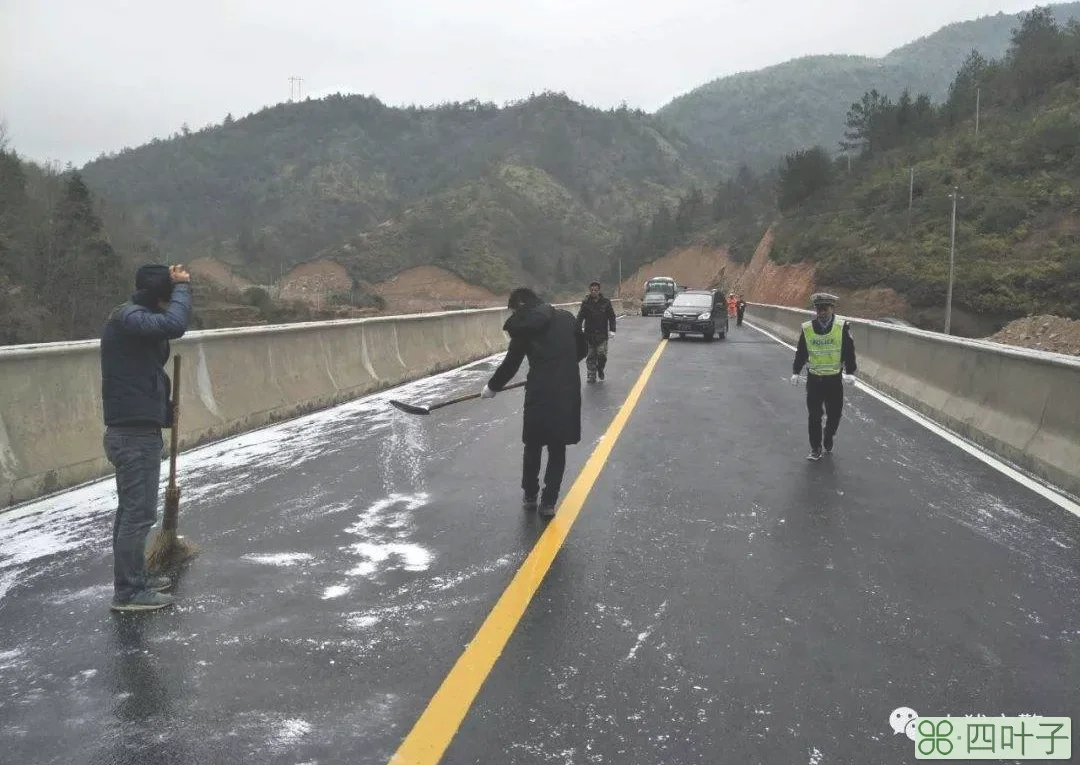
(135,397)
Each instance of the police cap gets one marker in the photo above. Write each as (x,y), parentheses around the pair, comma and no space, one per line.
(822,298)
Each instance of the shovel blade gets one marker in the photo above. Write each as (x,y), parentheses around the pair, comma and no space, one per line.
(410,408)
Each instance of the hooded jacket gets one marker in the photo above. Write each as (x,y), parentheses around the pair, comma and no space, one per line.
(135,390)
(553,343)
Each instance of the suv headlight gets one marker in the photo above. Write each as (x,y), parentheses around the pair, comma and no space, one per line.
(667,313)
(704,316)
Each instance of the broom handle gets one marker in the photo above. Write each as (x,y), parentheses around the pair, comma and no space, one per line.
(170,521)
(175,430)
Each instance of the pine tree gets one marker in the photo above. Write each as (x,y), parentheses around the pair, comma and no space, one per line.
(83,273)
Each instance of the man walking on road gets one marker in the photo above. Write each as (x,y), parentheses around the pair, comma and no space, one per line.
(827,348)
(597,320)
(553,342)
(740,308)
(136,401)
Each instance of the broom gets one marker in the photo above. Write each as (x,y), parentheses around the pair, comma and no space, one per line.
(168,549)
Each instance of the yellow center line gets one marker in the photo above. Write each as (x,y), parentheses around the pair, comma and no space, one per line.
(431,735)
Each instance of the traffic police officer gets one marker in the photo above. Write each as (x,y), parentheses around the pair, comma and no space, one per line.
(827,350)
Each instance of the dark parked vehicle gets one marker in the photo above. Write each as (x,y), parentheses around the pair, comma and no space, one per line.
(654,303)
(696,312)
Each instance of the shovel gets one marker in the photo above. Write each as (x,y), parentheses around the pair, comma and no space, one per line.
(414,409)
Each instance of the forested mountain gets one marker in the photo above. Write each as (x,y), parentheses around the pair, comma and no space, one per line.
(534,190)
(59,272)
(550,192)
(885,220)
(756,117)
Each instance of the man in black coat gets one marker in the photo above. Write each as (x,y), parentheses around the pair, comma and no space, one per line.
(135,397)
(554,344)
(597,320)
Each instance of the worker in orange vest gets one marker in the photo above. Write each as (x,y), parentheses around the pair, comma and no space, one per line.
(731,304)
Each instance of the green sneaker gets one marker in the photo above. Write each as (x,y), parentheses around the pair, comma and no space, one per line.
(144,600)
(159,583)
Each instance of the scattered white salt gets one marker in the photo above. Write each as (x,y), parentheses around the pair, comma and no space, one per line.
(279,559)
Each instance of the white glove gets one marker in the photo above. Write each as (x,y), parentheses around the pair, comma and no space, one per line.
(610,335)
(849,379)
(794,379)
(487,392)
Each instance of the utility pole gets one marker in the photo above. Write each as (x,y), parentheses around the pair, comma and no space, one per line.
(618,292)
(952,260)
(910,197)
(977,95)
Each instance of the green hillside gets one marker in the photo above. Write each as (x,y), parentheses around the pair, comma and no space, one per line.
(472,187)
(757,117)
(59,271)
(886,220)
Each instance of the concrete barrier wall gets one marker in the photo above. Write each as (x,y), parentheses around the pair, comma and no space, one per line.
(233,380)
(1020,404)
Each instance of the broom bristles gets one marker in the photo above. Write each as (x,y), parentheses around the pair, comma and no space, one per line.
(167,549)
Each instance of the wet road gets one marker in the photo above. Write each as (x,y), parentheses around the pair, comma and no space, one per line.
(718,599)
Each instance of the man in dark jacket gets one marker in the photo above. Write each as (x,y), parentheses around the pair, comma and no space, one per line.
(740,309)
(827,348)
(596,318)
(552,341)
(135,397)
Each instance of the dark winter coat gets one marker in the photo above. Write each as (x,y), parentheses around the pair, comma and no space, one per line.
(553,343)
(596,316)
(135,390)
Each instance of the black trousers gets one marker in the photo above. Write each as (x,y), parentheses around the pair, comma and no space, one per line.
(530,471)
(824,391)
(739,314)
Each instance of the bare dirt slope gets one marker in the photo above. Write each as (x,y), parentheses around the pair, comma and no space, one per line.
(429,288)
(315,281)
(1044,333)
(696,267)
(218,273)
(700,267)
(762,280)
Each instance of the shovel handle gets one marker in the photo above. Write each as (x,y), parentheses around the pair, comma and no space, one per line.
(469,397)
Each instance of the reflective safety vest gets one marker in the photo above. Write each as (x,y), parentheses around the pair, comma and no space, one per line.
(824,349)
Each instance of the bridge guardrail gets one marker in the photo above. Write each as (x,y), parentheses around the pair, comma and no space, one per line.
(234,380)
(1022,405)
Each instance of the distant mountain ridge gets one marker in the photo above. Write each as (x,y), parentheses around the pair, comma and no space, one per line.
(536,190)
(757,117)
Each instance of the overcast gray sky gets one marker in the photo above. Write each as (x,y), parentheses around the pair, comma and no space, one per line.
(78,77)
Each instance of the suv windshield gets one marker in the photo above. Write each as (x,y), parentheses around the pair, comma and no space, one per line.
(683,300)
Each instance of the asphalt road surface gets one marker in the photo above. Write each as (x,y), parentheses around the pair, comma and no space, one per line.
(716,599)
